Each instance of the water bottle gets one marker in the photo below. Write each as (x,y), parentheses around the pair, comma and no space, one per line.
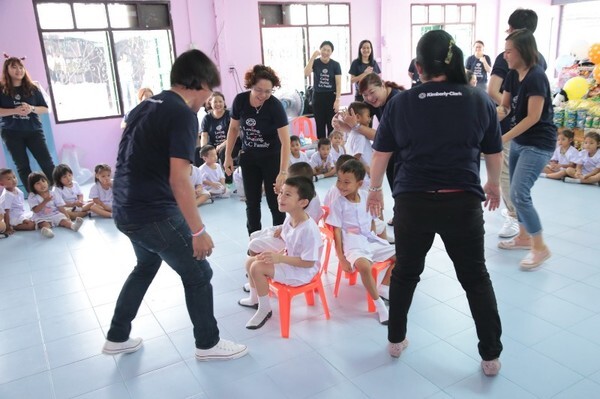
(302,139)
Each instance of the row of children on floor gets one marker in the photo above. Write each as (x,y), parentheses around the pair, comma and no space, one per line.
(574,166)
(61,206)
(290,253)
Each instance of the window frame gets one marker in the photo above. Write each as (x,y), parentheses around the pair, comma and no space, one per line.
(111,45)
(307,27)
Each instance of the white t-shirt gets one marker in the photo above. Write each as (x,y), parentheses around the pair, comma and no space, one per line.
(68,194)
(303,241)
(49,210)
(571,155)
(359,144)
(195,176)
(336,154)
(301,158)
(314,209)
(210,174)
(317,162)
(106,196)
(14,202)
(588,164)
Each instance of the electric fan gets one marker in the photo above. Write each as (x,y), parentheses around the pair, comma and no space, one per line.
(291,101)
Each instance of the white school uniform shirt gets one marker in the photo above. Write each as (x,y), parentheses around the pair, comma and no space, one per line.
(316,161)
(336,154)
(331,196)
(303,241)
(106,196)
(301,158)
(314,209)
(571,155)
(359,144)
(14,202)
(588,164)
(196,177)
(68,194)
(49,210)
(210,174)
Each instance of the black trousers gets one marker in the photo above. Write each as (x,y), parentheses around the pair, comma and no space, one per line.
(259,169)
(323,111)
(18,142)
(458,219)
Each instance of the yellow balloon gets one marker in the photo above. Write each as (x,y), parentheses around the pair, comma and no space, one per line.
(576,88)
(594,53)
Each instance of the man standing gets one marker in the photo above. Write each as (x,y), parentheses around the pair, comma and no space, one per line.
(154,207)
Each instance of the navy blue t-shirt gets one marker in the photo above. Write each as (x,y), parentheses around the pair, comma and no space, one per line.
(158,129)
(474,65)
(377,112)
(358,67)
(258,125)
(216,127)
(501,69)
(535,83)
(324,75)
(28,123)
(438,131)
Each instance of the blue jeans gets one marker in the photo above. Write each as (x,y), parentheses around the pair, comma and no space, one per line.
(525,165)
(169,240)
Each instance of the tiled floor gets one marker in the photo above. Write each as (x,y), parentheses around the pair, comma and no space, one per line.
(57,297)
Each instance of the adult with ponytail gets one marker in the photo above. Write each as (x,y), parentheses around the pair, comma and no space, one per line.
(21,103)
(439,130)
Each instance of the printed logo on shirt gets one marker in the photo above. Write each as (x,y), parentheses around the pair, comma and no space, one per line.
(250,122)
(422,96)
(18,97)
(219,127)
(324,70)
(441,94)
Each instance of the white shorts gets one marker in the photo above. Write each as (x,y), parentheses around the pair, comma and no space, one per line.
(54,220)
(221,192)
(264,241)
(19,219)
(372,248)
(380,226)
(292,275)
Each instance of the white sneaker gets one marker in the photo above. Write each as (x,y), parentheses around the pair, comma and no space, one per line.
(223,350)
(77,224)
(571,180)
(47,232)
(129,346)
(510,228)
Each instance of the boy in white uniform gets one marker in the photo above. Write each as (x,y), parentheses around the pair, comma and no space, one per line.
(213,177)
(358,145)
(300,261)
(295,154)
(12,202)
(337,144)
(356,244)
(321,161)
(201,194)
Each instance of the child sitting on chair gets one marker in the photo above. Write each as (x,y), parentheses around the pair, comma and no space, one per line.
(356,244)
(213,177)
(298,263)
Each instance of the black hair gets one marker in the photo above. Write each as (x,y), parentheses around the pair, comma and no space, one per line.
(523,19)
(194,70)
(342,159)
(568,133)
(438,55)
(206,149)
(5,172)
(327,43)
(359,107)
(58,172)
(301,169)
(99,169)
(360,54)
(323,141)
(304,186)
(480,42)
(293,138)
(373,79)
(258,72)
(524,42)
(33,178)
(355,167)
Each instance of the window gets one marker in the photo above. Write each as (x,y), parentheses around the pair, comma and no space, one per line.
(290,33)
(99,54)
(456,19)
(579,28)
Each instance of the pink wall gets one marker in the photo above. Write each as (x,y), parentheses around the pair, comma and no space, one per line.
(228,30)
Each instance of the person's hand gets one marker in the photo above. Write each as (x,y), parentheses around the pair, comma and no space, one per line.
(502,111)
(338,124)
(578,175)
(277,232)
(350,118)
(228,165)
(336,105)
(368,70)
(21,110)
(492,196)
(270,258)
(345,265)
(315,54)
(279,182)
(203,246)
(505,139)
(375,203)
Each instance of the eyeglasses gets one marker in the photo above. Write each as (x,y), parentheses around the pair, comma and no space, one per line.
(268,92)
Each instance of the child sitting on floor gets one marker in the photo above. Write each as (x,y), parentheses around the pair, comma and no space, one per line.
(298,263)
(296,155)
(321,161)
(70,192)
(12,202)
(101,192)
(565,156)
(213,177)
(356,244)
(588,164)
(202,195)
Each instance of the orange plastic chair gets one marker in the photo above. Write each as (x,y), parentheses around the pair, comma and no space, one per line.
(376,268)
(303,125)
(323,226)
(285,293)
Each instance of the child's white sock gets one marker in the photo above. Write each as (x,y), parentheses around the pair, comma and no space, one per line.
(572,180)
(76,225)
(384,291)
(382,311)
(47,232)
(263,313)
(252,299)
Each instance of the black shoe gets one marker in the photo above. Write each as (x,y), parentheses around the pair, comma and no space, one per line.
(255,306)
(262,323)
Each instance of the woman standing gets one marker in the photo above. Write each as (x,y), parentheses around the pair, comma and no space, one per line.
(438,130)
(327,85)
(262,122)
(362,66)
(480,64)
(21,102)
(527,96)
